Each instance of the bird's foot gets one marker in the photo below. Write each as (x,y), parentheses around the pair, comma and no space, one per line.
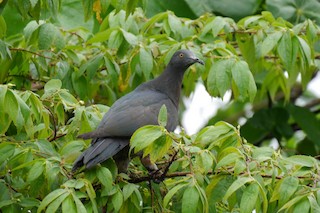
(156,175)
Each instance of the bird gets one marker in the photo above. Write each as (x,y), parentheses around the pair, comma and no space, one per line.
(134,110)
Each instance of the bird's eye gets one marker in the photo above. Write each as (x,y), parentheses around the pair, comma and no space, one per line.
(181,55)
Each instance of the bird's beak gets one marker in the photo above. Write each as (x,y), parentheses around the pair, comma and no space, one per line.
(197,60)
(194,59)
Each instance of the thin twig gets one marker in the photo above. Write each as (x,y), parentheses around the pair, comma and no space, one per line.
(183,174)
(151,194)
(29,51)
(170,163)
(57,137)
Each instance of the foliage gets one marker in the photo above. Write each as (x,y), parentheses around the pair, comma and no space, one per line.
(214,170)
(53,74)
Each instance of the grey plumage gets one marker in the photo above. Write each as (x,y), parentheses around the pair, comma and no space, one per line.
(134,110)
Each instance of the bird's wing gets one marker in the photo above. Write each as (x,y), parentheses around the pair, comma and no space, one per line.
(133,111)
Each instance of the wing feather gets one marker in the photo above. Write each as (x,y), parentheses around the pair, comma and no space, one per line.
(132,112)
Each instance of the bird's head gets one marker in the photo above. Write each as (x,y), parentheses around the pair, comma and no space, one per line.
(184,59)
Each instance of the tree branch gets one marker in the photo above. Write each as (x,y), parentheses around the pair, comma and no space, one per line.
(183,174)
(29,51)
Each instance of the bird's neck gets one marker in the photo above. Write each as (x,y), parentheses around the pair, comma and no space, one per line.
(170,82)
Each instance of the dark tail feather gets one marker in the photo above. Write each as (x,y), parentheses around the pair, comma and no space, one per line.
(100,151)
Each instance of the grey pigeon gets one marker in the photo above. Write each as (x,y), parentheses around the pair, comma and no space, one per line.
(134,110)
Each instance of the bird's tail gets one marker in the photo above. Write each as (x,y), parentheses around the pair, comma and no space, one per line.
(99,151)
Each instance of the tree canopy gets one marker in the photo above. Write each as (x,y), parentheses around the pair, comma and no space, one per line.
(62,63)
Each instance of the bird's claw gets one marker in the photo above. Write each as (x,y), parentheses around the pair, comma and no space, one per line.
(156,175)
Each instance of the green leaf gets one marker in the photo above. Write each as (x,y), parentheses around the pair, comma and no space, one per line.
(305,51)
(88,9)
(71,183)
(24,108)
(33,3)
(235,9)
(146,62)
(92,66)
(47,35)
(312,31)
(80,86)
(288,50)
(115,39)
(50,198)
(54,205)
(174,23)
(218,186)
(128,189)
(307,121)
(35,9)
(79,204)
(208,135)
(11,104)
(247,46)
(239,167)
(4,54)
(71,148)
(4,203)
(158,148)
(129,37)
(244,84)
(302,206)
(287,188)
(3,27)
(31,28)
(52,85)
(190,200)
(105,177)
(268,44)
(263,195)
(29,202)
(144,136)
(92,195)
(68,205)
(79,184)
(172,192)
(68,100)
(154,19)
(249,198)
(131,5)
(117,200)
(228,159)
(205,161)
(313,203)
(293,11)
(6,151)
(217,25)
(302,160)
(198,7)
(101,36)
(292,202)
(219,78)
(249,20)
(35,171)
(262,153)
(46,147)
(236,185)
(163,116)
